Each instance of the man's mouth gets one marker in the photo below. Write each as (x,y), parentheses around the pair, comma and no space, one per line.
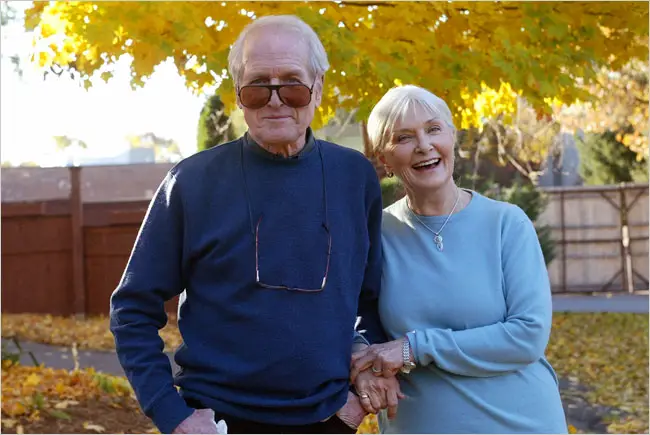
(427,164)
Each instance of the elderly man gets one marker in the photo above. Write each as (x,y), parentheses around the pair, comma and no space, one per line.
(274,242)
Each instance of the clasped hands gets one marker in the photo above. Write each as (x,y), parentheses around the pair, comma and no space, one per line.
(373,373)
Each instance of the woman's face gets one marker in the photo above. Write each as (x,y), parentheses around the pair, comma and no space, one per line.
(421,150)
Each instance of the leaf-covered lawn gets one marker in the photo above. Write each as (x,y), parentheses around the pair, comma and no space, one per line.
(606,353)
(45,400)
(91,333)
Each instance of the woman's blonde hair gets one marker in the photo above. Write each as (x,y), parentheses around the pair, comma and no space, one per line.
(395,105)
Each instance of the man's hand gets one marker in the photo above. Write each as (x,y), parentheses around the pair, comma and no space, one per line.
(352,412)
(377,393)
(201,422)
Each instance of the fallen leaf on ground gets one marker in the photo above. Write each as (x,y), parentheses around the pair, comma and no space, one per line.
(9,423)
(95,427)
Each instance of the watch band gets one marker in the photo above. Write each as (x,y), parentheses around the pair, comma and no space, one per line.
(406,352)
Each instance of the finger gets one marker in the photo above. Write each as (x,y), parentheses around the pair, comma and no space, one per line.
(391,398)
(361,365)
(389,363)
(366,403)
(387,372)
(376,401)
(398,391)
(359,354)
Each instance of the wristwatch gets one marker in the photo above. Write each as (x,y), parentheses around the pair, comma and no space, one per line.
(406,357)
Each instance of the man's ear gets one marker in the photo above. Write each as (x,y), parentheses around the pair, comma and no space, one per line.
(237,99)
(318,90)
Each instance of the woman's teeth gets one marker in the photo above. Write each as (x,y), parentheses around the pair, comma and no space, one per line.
(427,164)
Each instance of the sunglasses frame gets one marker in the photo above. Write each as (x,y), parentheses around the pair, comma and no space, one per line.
(276,89)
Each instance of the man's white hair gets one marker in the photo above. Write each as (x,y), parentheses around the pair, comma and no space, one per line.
(282,23)
(395,105)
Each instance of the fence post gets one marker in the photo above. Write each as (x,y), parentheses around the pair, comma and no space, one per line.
(563,243)
(626,258)
(76,218)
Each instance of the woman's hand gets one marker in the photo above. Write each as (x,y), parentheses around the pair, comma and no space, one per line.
(377,393)
(384,359)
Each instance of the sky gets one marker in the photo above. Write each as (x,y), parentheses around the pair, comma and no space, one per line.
(33,110)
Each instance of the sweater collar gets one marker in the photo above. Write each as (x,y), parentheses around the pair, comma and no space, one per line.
(310,144)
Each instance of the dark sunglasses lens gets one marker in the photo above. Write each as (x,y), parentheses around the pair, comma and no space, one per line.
(254,97)
(295,95)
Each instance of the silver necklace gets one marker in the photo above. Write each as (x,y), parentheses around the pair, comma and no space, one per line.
(437,234)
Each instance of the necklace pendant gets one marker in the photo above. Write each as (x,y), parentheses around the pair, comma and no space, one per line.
(438,241)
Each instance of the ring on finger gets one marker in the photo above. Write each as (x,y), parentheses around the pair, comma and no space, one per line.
(376,370)
(364,395)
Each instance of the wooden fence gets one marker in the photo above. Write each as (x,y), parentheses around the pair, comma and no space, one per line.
(601,234)
(65,257)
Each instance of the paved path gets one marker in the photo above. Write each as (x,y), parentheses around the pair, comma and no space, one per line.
(622,303)
(61,357)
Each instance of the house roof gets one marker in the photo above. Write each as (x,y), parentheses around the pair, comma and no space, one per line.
(98,183)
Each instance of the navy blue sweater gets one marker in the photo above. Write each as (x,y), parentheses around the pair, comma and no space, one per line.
(268,355)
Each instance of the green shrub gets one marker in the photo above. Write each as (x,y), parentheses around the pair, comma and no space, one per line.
(391,190)
(533,202)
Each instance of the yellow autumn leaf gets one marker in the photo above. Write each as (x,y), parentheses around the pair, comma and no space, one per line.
(32,380)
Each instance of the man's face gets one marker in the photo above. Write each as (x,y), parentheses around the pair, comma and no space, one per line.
(273,57)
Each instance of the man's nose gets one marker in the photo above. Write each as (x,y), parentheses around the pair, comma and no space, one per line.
(275,97)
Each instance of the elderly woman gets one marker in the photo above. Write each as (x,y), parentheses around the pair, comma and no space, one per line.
(465,294)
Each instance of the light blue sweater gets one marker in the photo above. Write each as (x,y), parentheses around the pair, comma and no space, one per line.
(478,317)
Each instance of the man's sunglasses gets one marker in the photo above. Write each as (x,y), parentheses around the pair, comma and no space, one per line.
(294,95)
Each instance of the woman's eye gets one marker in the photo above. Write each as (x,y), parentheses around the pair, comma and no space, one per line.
(434,129)
(402,138)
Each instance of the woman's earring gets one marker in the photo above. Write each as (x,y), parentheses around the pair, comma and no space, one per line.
(389,173)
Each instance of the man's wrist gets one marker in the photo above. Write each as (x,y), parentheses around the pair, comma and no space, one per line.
(358,346)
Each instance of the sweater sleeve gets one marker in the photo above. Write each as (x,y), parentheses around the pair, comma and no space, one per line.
(369,296)
(153,276)
(521,338)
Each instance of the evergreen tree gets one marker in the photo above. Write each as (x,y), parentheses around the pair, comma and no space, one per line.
(605,160)
(215,127)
